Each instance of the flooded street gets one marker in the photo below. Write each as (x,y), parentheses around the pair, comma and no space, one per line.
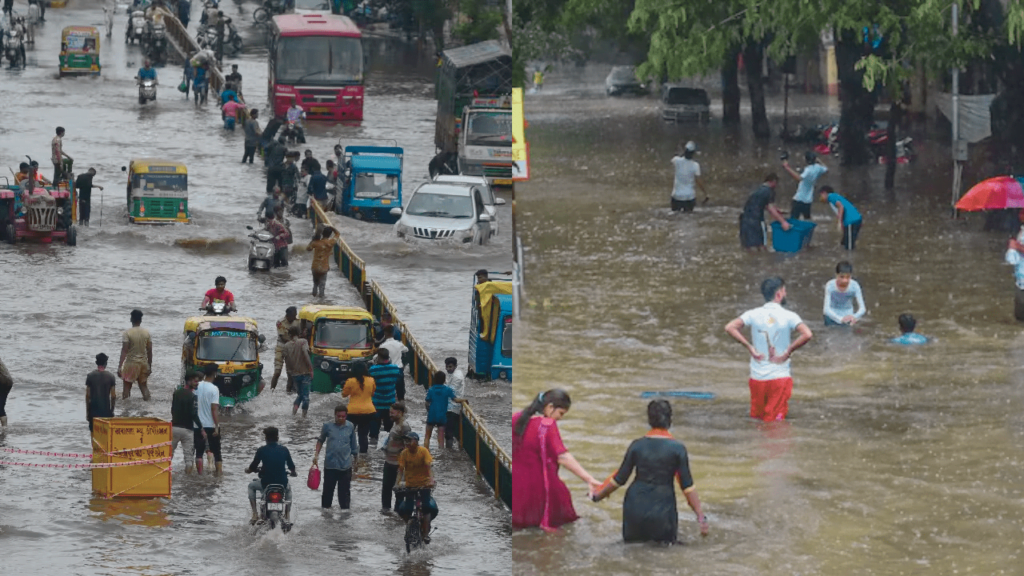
(64,305)
(892,460)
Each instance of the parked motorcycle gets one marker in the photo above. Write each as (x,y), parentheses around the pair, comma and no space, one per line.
(156,42)
(206,37)
(136,27)
(261,250)
(268,10)
(147,90)
(14,46)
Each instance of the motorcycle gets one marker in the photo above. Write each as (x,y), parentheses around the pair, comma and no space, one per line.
(261,250)
(272,505)
(268,10)
(156,42)
(14,47)
(136,27)
(293,132)
(147,90)
(206,37)
(216,309)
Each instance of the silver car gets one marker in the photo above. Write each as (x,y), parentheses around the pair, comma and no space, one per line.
(442,211)
(491,202)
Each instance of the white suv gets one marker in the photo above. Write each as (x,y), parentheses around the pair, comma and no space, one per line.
(491,202)
(442,211)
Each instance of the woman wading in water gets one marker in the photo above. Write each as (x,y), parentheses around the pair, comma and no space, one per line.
(539,497)
(649,511)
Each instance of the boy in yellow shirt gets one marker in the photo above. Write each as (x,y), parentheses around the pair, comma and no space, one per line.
(416,473)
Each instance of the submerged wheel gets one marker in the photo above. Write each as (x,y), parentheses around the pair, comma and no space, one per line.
(412,535)
(12,237)
(261,15)
(71,239)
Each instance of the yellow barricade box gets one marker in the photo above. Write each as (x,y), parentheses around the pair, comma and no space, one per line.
(116,440)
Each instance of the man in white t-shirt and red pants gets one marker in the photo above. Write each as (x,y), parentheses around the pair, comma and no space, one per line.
(771,327)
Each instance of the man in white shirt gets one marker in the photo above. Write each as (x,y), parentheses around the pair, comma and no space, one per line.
(207,397)
(684,197)
(394,347)
(771,327)
(456,380)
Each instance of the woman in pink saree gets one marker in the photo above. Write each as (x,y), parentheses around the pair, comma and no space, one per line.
(539,497)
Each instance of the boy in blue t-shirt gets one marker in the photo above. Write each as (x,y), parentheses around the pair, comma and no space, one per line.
(437,408)
(847,216)
(909,337)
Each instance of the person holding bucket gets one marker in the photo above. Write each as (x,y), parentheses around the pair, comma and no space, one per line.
(340,460)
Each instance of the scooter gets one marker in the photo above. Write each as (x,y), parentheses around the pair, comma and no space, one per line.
(261,250)
(147,90)
(14,47)
(156,42)
(268,10)
(293,132)
(136,27)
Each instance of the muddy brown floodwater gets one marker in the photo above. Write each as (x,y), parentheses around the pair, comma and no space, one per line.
(62,305)
(893,460)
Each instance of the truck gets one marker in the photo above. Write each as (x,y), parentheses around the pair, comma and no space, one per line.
(473,130)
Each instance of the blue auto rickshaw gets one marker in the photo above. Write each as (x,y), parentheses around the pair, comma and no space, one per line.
(372,185)
(490,335)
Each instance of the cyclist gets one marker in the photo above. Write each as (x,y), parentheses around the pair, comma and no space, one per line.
(416,473)
(274,458)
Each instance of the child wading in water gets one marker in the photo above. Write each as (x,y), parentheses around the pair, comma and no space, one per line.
(908,336)
(839,296)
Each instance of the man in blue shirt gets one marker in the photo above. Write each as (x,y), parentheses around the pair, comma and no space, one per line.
(390,388)
(804,196)
(147,72)
(341,458)
(909,337)
(847,217)
(274,458)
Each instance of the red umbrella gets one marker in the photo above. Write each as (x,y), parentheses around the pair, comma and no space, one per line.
(997,193)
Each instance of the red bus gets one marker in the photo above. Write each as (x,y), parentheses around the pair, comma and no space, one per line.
(317,59)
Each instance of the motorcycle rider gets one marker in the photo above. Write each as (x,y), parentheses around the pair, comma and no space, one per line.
(280,240)
(268,207)
(416,473)
(220,294)
(147,72)
(275,458)
(295,116)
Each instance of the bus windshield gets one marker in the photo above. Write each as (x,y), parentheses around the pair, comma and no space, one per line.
(227,346)
(490,129)
(319,60)
(342,334)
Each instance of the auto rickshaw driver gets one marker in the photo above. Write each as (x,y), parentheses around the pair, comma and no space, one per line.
(220,294)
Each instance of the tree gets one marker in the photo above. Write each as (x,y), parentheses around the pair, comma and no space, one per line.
(481,23)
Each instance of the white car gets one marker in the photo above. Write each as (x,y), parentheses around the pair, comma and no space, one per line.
(491,202)
(442,211)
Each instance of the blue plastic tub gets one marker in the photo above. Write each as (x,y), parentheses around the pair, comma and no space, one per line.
(798,236)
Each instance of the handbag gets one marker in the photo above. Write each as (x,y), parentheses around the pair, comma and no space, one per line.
(183,87)
(313,480)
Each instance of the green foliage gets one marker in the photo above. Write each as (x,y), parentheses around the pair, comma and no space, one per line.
(481,23)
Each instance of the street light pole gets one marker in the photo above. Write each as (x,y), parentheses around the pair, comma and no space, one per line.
(957,166)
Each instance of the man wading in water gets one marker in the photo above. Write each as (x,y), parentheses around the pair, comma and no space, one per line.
(771,383)
(136,357)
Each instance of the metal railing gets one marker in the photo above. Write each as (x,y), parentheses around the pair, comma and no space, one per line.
(185,45)
(492,462)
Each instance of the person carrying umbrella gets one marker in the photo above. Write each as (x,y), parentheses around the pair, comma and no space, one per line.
(1015,257)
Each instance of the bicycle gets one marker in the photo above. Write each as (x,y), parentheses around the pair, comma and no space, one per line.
(415,527)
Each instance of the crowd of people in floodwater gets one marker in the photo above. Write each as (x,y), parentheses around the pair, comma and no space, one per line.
(657,460)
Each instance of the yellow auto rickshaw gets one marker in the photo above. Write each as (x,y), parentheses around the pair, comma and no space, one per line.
(338,335)
(232,343)
(157,191)
(79,50)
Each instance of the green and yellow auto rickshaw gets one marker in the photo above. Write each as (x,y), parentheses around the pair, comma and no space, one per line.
(338,335)
(157,191)
(232,343)
(79,51)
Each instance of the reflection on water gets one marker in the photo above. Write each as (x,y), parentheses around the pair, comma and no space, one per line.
(893,460)
(139,512)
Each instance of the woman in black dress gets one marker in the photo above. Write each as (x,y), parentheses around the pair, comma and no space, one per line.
(649,510)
